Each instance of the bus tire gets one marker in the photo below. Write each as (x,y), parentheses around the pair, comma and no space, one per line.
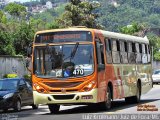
(106,105)
(54,108)
(135,99)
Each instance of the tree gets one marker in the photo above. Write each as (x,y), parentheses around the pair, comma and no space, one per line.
(23,36)
(15,10)
(79,14)
(134,29)
(155,43)
(6,44)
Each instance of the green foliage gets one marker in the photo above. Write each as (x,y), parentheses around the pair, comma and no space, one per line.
(10,76)
(124,12)
(23,36)
(28,77)
(157,56)
(15,9)
(130,29)
(6,44)
(79,13)
(155,43)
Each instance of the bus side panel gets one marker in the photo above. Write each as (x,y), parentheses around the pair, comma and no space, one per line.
(144,74)
(129,79)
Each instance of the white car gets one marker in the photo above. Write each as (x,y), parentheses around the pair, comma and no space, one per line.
(156,76)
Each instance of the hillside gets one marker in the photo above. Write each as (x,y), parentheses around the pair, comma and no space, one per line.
(114,14)
(124,12)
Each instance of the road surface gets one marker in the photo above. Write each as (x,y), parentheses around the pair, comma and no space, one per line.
(149,101)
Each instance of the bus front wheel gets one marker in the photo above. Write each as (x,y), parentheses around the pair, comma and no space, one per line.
(106,105)
(54,108)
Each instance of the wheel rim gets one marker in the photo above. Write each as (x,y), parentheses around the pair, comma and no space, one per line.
(18,105)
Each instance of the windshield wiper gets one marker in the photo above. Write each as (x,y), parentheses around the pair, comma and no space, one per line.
(74,50)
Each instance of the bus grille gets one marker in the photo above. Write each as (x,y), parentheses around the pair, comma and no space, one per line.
(63,97)
(62,84)
(66,90)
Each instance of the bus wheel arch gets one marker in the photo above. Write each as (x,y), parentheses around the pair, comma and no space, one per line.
(111,88)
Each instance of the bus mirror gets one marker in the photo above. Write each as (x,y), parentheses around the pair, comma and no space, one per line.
(27,63)
(101,67)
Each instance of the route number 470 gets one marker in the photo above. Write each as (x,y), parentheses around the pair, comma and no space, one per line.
(78,71)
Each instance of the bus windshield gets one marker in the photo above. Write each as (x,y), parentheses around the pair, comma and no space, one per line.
(63,61)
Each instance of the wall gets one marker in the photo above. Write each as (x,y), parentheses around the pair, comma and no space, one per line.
(12,64)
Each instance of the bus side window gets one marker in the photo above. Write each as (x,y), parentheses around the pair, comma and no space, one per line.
(108,50)
(144,55)
(123,53)
(116,51)
(131,52)
(138,54)
(100,53)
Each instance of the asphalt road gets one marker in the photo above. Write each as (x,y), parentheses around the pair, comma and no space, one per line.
(150,102)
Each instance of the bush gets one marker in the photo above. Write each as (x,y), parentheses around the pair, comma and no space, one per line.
(10,76)
(28,76)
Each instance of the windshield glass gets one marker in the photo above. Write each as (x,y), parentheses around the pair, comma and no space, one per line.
(62,61)
(8,84)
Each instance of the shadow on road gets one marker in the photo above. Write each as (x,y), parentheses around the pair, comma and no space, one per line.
(116,105)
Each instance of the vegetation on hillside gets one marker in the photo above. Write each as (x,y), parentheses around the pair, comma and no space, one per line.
(127,16)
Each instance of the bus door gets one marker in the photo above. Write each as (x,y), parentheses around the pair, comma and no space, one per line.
(100,71)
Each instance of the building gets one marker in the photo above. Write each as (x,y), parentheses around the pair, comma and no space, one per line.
(49,5)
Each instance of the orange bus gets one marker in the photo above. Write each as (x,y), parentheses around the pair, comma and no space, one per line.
(80,65)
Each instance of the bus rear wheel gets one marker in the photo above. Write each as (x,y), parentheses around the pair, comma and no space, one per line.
(135,99)
(54,108)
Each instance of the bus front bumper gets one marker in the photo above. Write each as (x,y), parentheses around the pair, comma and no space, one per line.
(67,98)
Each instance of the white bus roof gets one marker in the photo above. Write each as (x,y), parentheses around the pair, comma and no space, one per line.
(126,37)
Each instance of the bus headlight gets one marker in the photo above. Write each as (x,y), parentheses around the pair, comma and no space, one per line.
(39,88)
(89,86)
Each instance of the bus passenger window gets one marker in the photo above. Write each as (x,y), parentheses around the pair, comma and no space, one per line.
(144,55)
(118,45)
(108,50)
(138,54)
(146,51)
(133,47)
(125,47)
(140,48)
(116,51)
(123,53)
(131,52)
(100,53)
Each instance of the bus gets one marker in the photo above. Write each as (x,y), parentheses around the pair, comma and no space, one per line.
(80,65)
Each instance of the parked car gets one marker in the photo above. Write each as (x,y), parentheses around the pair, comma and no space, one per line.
(156,76)
(15,93)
